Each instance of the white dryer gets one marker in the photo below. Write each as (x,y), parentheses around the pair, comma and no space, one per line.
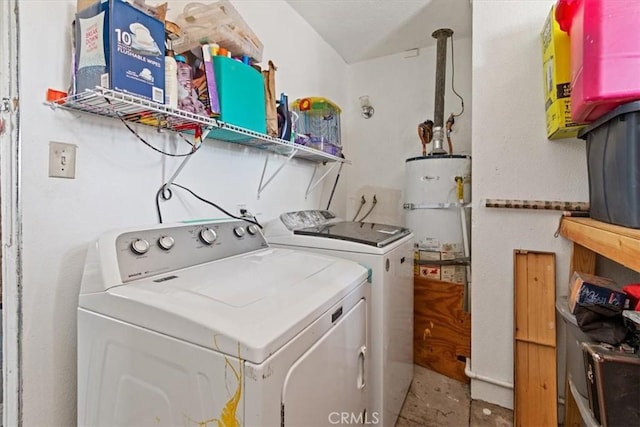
(388,251)
(205,324)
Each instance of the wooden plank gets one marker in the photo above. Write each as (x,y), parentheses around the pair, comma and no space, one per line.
(535,386)
(617,243)
(535,297)
(631,233)
(521,298)
(535,372)
(442,329)
(584,260)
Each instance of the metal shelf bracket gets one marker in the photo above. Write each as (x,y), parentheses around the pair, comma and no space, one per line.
(262,186)
(313,184)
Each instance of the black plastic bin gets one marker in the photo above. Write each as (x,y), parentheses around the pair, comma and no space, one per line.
(613,161)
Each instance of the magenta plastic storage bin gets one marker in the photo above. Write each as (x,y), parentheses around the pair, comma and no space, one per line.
(605,54)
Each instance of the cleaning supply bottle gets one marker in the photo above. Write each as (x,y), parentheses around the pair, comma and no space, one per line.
(170,78)
(214,48)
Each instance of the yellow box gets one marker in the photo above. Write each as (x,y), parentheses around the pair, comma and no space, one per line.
(556,69)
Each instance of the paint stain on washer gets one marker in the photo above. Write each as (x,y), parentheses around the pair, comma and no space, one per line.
(228,415)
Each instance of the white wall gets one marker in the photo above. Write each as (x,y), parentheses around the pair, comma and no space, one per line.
(117,178)
(512,158)
(402,92)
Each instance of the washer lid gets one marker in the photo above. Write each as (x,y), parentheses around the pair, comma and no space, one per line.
(247,306)
(378,235)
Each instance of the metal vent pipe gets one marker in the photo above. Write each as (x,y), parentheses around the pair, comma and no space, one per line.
(441,36)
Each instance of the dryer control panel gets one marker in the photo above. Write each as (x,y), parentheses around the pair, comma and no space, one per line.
(145,253)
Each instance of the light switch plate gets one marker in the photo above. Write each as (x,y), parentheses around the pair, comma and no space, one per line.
(62,160)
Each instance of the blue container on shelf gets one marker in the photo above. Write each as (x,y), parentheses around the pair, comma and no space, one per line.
(241,96)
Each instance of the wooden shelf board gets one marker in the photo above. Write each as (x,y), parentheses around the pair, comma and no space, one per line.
(617,243)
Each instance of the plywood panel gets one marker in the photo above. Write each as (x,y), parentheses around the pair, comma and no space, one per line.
(535,372)
(442,329)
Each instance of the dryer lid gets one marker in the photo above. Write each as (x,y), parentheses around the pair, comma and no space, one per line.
(368,233)
(246,306)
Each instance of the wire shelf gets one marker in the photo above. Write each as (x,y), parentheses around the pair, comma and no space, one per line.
(118,105)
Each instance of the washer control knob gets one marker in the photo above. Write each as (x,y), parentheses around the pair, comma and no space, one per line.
(252,229)
(166,242)
(208,236)
(238,231)
(139,246)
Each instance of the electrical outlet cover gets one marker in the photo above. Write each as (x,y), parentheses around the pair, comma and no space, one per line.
(62,160)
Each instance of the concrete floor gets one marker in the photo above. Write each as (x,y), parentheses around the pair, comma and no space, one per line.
(438,401)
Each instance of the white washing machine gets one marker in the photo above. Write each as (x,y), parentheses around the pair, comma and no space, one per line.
(205,324)
(388,251)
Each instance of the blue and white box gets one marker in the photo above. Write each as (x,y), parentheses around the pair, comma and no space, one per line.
(120,47)
(589,289)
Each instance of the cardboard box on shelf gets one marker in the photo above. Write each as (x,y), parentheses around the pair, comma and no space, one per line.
(556,67)
(451,251)
(429,255)
(159,11)
(430,272)
(425,270)
(453,274)
(588,289)
(120,47)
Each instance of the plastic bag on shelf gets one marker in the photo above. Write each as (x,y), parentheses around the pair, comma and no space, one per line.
(219,23)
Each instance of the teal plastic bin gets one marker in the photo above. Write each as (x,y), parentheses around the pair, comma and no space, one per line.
(241,94)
